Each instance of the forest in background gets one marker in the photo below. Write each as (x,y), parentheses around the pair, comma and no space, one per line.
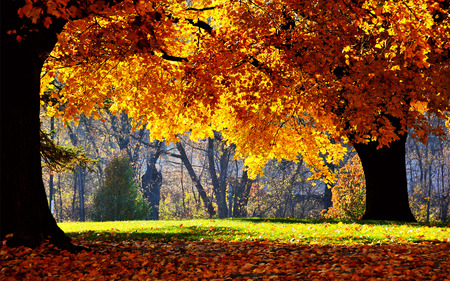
(172,177)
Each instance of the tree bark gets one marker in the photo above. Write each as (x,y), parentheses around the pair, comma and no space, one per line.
(24,207)
(386,182)
(24,48)
(81,193)
(328,194)
(219,182)
(51,180)
(151,185)
(241,196)
(201,191)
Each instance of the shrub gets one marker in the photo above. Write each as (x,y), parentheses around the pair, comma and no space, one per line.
(118,198)
(349,193)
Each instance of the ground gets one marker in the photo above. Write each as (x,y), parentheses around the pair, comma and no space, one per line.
(225,260)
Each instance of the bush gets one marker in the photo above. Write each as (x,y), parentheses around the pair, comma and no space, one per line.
(118,198)
(349,193)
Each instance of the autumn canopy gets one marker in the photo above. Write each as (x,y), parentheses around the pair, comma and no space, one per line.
(276,78)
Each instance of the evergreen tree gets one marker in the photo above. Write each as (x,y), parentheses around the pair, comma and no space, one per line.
(118,198)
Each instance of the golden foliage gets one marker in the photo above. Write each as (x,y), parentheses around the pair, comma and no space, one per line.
(277,78)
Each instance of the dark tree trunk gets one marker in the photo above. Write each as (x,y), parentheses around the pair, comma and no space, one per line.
(75,192)
(328,194)
(219,182)
(445,199)
(51,188)
(201,191)
(81,193)
(327,197)
(24,205)
(241,196)
(151,185)
(386,182)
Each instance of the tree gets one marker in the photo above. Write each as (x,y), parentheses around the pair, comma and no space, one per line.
(284,191)
(119,198)
(241,195)
(278,79)
(349,192)
(28,34)
(24,209)
(428,176)
(219,180)
(59,158)
(152,180)
(195,179)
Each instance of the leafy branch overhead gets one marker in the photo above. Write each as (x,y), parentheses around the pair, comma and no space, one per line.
(59,158)
(277,79)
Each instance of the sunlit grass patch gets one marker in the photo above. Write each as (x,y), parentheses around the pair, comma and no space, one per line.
(276,230)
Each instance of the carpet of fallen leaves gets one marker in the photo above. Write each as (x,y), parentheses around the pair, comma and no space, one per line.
(217,260)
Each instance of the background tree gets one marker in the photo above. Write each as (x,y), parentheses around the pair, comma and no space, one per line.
(285,191)
(152,180)
(349,193)
(119,198)
(240,191)
(196,180)
(285,195)
(59,158)
(219,174)
(427,170)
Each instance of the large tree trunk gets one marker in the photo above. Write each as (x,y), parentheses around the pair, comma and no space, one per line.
(386,183)
(24,207)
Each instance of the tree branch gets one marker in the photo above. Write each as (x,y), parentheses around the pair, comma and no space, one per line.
(201,9)
(173,58)
(201,24)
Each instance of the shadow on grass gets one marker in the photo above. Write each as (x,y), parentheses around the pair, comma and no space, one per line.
(171,233)
(335,221)
(163,234)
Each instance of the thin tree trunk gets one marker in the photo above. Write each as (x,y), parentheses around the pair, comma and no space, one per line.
(51,202)
(60,198)
(75,191)
(50,181)
(328,194)
(430,185)
(81,193)
(183,196)
(386,183)
(445,197)
(201,191)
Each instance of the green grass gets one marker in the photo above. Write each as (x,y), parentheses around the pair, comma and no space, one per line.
(275,230)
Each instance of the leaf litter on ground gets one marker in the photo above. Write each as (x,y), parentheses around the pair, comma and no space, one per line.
(115,256)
